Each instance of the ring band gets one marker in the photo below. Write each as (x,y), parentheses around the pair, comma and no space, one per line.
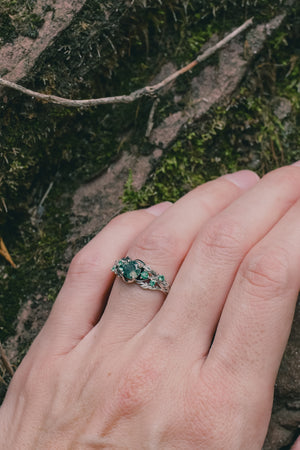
(136,271)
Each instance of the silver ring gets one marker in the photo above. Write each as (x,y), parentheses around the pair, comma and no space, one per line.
(136,271)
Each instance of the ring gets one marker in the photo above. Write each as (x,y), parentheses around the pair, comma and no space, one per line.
(136,271)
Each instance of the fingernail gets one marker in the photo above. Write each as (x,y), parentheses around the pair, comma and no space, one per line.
(158,209)
(297,163)
(244,179)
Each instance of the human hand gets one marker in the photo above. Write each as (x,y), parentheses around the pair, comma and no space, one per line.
(118,367)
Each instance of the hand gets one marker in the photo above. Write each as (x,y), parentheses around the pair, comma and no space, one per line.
(119,367)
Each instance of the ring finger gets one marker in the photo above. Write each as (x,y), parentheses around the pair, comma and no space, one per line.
(163,246)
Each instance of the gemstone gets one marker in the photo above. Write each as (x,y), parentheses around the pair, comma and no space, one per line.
(130,270)
(161,278)
(144,275)
(152,283)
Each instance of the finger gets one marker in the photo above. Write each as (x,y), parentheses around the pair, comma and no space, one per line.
(296,445)
(209,269)
(163,245)
(257,317)
(83,296)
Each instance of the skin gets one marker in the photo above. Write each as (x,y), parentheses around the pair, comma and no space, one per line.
(118,367)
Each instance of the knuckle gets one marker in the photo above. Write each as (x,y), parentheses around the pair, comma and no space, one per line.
(138,385)
(235,399)
(203,402)
(222,237)
(159,242)
(265,273)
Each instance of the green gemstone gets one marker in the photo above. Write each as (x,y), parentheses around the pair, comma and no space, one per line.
(161,278)
(130,270)
(152,283)
(144,275)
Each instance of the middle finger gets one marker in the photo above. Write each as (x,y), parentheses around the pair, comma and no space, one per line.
(200,289)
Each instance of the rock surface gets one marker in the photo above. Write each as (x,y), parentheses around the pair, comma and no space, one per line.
(18,58)
(216,83)
(102,195)
(286,411)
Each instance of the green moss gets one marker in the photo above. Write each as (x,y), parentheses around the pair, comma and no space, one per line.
(39,140)
(7,29)
(18,18)
(191,161)
(246,133)
(38,250)
(29,26)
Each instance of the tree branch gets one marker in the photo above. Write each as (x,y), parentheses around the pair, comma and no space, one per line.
(145,91)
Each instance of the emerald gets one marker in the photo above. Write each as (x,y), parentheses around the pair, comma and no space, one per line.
(144,275)
(130,270)
(136,271)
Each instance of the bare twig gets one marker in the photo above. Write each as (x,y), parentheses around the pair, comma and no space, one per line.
(37,211)
(145,91)
(3,381)
(6,362)
(46,194)
(4,204)
(151,116)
